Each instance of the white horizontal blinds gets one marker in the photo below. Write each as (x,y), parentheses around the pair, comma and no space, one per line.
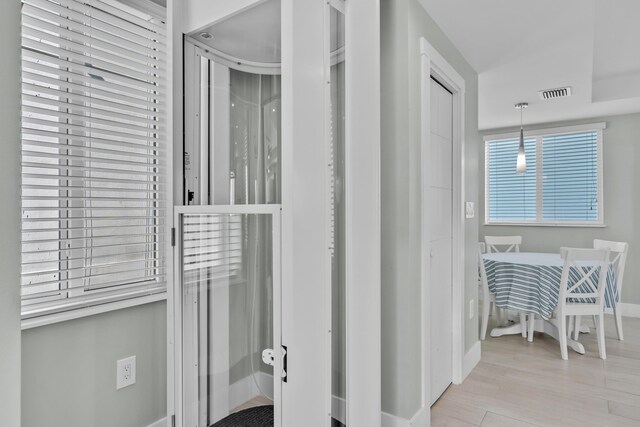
(212,246)
(511,196)
(93,154)
(570,177)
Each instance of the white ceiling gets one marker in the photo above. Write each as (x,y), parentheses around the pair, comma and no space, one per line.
(251,35)
(519,47)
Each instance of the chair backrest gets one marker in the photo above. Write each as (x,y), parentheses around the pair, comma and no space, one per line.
(512,242)
(583,275)
(482,270)
(619,257)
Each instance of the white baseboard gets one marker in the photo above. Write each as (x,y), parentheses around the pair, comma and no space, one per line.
(389,420)
(339,409)
(160,423)
(471,359)
(420,419)
(628,310)
(244,390)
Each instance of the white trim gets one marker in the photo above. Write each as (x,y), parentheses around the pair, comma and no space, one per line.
(329,227)
(338,5)
(162,422)
(547,131)
(548,224)
(389,420)
(174,192)
(228,209)
(420,419)
(149,7)
(362,201)
(50,319)
(339,409)
(628,310)
(471,359)
(267,68)
(434,64)
(306,257)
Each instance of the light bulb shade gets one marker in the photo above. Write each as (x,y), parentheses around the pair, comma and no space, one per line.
(521,163)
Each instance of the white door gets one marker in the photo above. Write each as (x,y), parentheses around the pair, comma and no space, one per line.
(228,314)
(439,194)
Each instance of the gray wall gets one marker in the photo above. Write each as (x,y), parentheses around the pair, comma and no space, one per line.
(403,22)
(10,214)
(69,370)
(621,201)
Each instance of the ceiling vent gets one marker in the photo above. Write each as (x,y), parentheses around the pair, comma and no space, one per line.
(561,92)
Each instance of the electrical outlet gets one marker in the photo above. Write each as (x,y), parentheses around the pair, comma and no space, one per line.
(472,309)
(469,210)
(125,372)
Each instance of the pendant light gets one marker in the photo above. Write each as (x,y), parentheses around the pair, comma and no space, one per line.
(521,163)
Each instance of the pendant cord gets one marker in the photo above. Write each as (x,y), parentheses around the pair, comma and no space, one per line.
(521,108)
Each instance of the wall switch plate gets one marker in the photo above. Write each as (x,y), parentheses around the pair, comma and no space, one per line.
(125,372)
(469,210)
(472,309)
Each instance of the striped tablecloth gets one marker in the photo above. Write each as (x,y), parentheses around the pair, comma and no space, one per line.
(530,282)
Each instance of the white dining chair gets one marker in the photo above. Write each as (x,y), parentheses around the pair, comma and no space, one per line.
(488,297)
(571,298)
(619,254)
(512,243)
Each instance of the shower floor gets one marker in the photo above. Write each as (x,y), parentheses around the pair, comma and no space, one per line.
(257,412)
(257,416)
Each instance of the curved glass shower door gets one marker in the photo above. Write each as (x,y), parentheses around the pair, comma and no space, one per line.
(229,276)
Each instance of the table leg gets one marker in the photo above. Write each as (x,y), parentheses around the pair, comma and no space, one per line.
(549,327)
(516,328)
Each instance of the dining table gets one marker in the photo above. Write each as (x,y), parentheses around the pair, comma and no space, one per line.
(529,282)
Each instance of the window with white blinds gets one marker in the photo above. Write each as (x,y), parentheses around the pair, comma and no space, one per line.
(512,196)
(562,185)
(93,154)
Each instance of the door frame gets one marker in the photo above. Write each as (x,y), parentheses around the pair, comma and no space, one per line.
(175,294)
(434,64)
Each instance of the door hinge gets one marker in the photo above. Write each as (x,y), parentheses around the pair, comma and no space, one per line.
(173,420)
(173,236)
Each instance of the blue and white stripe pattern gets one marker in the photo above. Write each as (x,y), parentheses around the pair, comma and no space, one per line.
(530,282)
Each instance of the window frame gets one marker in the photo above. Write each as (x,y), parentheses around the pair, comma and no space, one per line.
(130,294)
(538,134)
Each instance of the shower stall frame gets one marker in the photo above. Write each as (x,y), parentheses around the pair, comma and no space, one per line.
(305,269)
(177,296)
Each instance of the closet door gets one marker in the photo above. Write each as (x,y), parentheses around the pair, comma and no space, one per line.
(440,194)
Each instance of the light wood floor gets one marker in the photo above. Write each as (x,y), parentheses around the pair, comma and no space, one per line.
(518,383)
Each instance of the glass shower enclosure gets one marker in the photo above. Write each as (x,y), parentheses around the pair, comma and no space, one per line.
(228,260)
(228,253)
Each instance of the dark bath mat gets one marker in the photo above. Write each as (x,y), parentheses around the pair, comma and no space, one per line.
(259,416)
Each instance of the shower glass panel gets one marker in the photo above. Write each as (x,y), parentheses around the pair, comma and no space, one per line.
(229,310)
(230,280)
(254,138)
(338,259)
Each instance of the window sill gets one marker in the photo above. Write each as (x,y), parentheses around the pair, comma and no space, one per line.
(547,224)
(90,311)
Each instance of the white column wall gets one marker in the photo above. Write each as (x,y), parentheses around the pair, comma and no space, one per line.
(305,254)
